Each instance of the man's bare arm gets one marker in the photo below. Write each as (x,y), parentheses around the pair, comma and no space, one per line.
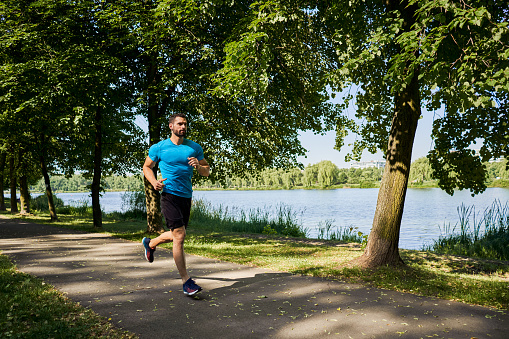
(149,174)
(201,166)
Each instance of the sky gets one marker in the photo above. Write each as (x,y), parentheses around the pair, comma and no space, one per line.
(321,147)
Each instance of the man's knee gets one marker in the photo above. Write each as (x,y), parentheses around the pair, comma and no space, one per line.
(179,234)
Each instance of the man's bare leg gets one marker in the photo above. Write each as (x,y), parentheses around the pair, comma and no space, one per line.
(178,236)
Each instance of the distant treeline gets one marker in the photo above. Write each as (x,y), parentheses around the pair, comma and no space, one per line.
(78,183)
(324,174)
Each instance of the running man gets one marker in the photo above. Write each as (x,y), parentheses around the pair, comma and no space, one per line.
(177,157)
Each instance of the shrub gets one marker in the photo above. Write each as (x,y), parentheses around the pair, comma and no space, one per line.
(367,184)
(500,183)
(40,203)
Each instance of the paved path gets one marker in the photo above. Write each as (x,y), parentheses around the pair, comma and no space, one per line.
(111,276)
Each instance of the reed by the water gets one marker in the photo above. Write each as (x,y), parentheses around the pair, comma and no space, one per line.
(482,235)
(280,220)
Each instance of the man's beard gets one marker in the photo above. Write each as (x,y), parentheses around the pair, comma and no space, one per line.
(180,134)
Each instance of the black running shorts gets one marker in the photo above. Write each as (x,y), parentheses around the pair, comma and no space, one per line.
(176,210)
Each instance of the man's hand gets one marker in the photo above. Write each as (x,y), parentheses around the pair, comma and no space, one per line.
(158,185)
(193,162)
(201,166)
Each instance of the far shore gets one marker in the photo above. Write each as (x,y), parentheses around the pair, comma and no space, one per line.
(346,186)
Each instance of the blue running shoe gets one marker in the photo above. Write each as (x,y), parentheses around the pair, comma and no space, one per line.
(190,287)
(149,252)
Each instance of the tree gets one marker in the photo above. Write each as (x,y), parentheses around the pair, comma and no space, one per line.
(295,176)
(438,53)
(499,169)
(327,173)
(421,170)
(342,178)
(271,90)
(26,46)
(398,56)
(175,48)
(310,175)
(180,50)
(3,158)
(287,180)
(13,181)
(20,82)
(68,90)
(22,169)
(104,132)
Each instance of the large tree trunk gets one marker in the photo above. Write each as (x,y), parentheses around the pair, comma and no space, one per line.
(49,193)
(382,248)
(13,183)
(153,201)
(153,198)
(24,195)
(96,180)
(3,158)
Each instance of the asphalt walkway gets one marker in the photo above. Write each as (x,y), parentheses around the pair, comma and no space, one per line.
(112,277)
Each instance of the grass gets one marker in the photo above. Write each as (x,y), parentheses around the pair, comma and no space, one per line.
(455,278)
(29,308)
(471,280)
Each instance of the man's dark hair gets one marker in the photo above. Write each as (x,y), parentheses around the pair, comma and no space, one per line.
(172,117)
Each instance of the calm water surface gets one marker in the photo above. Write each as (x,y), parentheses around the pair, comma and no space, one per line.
(426,211)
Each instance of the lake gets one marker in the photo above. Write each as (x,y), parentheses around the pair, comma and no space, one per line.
(426,211)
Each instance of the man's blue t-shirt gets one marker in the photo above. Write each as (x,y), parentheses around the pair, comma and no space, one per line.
(174,165)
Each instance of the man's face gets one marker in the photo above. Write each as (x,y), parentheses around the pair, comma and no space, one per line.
(179,127)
